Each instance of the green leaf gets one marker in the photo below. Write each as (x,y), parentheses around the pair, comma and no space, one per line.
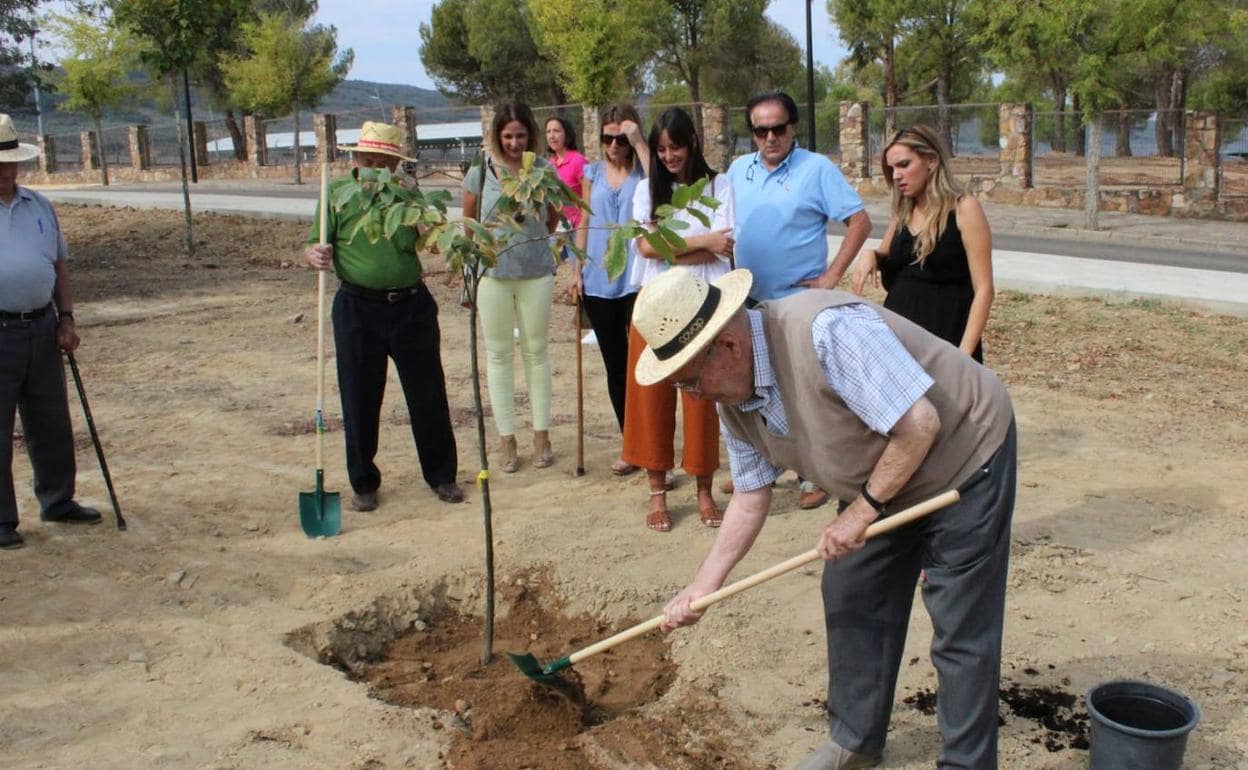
(658,243)
(675,224)
(709,202)
(665,211)
(699,215)
(675,243)
(616,258)
(681,196)
(394,220)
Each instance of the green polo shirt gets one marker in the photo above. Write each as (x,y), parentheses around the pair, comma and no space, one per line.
(390,263)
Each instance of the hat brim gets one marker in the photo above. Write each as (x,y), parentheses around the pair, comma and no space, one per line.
(22,153)
(375,151)
(734,287)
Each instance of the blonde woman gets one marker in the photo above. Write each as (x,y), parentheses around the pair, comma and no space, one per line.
(935,260)
(516,293)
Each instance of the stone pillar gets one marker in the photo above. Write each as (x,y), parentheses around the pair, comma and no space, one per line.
(140,148)
(487,119)
(200,142)
(257,148)
(405,119)
(855,164)
(591,128)
(326,126)
(716,142)
(47,158)
(1014,127)
(90,158)
(1202,143)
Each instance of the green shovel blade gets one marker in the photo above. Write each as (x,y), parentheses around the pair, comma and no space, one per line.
(320,512)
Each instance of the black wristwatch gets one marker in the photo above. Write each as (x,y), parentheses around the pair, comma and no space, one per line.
(871,501)
(61,316)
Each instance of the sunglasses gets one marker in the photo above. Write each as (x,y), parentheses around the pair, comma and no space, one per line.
(762,131)
(620,139)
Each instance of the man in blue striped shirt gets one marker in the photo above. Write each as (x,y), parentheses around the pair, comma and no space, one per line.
(884,416)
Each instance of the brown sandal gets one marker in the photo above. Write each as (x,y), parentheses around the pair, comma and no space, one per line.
(710,515)
(623,468)
(659,521)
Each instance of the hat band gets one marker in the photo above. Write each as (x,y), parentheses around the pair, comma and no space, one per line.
(372,145)
(11,145)
(691,330)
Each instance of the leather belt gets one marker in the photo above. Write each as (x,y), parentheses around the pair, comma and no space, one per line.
(26,315)
(388,296)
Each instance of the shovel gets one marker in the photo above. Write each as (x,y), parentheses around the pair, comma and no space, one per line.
(548,673)
(320,512)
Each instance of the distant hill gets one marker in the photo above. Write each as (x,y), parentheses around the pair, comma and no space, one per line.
(350,96)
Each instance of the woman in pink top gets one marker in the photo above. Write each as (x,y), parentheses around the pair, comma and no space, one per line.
(570,164)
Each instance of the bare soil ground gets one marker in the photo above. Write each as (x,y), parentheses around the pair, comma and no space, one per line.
(200,637)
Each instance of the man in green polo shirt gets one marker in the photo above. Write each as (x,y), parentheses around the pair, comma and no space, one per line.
(383,310)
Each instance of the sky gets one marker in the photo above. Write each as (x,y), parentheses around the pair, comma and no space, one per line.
(387,42)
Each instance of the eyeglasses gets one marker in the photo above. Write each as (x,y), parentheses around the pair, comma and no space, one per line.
(621,139)
(761,132)
(695,385)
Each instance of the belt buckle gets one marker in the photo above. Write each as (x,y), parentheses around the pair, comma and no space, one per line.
(393,296)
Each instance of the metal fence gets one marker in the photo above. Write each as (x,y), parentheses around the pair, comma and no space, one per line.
(1058,145)
(1234,157)
(970,131)
(1141,147)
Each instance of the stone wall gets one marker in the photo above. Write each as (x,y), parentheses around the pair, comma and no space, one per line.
(854,140)
(1014,135)
(591,127)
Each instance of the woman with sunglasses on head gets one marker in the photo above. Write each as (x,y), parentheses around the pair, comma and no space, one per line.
(608,189)
(516,293)
(569,163)
(935,260)
(650,417)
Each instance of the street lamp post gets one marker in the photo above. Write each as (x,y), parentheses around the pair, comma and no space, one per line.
(810,80)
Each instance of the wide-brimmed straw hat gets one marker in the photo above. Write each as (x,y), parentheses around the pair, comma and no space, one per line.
(678,314)
(381,138)
(11,150)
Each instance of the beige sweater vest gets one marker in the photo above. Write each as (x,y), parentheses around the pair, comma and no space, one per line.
(828,444)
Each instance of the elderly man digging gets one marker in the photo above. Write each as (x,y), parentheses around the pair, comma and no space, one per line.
(384,310)
(883,415)
(36,324)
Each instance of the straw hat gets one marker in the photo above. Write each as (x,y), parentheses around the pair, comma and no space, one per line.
(678,314)
(381,138)
(11,150)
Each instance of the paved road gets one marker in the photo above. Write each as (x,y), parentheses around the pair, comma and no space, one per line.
(1035,238)
(1152,267)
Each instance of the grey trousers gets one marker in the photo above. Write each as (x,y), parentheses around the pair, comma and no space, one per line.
(32,384)
(867,598)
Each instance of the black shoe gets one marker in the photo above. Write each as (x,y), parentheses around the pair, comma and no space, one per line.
(364,501)
(74,514)
(9,538)
(450,492)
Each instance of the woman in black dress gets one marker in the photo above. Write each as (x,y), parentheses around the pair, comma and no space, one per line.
(935,260)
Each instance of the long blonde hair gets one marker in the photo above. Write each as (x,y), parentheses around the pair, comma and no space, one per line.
(940,195)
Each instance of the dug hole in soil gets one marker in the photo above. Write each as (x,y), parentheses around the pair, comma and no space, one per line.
(213,634)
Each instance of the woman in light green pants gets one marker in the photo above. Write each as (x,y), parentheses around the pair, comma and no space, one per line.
(517,292)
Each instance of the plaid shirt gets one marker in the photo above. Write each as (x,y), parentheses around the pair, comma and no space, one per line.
(862,360)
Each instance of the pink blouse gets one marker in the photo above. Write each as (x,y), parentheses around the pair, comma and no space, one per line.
(571,169)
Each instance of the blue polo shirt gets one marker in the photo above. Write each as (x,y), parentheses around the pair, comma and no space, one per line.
(30,245)
(782,218)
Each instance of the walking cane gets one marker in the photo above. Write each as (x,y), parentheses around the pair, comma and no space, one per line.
(95,439)
(580,397)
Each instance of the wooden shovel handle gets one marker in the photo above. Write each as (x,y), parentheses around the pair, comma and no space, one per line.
(323,207)
(899,519)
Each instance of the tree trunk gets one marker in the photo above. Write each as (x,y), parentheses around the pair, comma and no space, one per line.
(1081,138)
(1122,147)
(297,148)
(99,148)
(890,89)
(1178,100)
(186,188)
(1092,193)
(1163,120)
(695,94)
(944,121)
(236,136)
(1059,121)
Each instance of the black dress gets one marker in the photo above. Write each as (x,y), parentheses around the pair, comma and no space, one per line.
(936,295)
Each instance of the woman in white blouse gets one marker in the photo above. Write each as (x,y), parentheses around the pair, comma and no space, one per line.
(650,411)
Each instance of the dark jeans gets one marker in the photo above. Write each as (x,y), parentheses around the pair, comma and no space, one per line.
(611,319)
(964,550)
(32,383)
(366,333)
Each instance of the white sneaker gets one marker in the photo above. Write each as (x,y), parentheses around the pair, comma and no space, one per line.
(831,756)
